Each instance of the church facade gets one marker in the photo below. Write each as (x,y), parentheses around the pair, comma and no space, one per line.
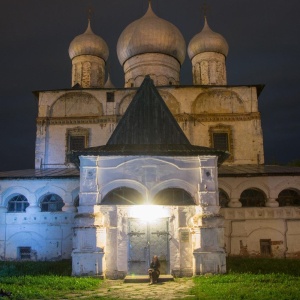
(164,169)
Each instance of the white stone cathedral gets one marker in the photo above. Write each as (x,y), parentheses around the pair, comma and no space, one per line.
(164,169)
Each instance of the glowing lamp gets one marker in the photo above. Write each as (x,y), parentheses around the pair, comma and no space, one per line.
(148,213)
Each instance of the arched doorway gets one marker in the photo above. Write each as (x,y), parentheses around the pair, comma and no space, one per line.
(150,236)
(147,233)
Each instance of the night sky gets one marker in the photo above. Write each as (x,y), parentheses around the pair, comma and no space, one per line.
(264,48)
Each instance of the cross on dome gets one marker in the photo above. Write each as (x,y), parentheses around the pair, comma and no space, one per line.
(90,13)
(205,8)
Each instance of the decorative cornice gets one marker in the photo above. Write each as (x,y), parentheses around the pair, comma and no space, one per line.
(103,120)
(259,213)
(217,117)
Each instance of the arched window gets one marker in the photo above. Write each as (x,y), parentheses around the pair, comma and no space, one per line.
(223,198)
(253,198)
(123,196)
(18,203)
(51,203)
(288,198)
(173,196)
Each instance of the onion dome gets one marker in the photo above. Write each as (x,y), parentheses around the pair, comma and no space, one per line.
(207,41)
(89,43)
(151,34)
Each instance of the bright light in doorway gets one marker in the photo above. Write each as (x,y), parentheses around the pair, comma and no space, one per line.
(148,212)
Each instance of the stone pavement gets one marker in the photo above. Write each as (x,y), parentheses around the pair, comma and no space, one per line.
(117,289)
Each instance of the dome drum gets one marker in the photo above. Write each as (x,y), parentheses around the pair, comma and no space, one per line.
(88,71)
(163,69)
(209,69)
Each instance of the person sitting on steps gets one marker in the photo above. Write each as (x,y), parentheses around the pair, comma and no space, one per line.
(154,270)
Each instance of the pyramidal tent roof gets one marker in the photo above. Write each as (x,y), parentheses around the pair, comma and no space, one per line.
(148,121)
(148,128)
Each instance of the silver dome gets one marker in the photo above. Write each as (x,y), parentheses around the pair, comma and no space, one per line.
(88,43)
(207,41)
(151,34)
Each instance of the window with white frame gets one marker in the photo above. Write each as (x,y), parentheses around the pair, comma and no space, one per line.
(17,204)
(51,203)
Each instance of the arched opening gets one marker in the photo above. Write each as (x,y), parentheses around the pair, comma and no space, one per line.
(223,198)
(17,203)
(253,198)
(288,197)
(173,196)
(51,203)
(123,196)
(76,201)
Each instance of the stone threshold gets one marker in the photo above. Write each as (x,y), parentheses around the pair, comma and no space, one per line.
(145,278)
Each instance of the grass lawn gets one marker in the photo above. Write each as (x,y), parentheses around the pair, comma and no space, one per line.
(43,280)
(247,278)
(250,278)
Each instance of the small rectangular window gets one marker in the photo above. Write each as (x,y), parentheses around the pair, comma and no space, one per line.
(220,141)
(76,139)
(25,253)
(110,97)
(265,247)
(77,142)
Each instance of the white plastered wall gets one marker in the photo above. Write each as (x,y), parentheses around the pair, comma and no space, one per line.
(149,175)
(48,234)
(246,226)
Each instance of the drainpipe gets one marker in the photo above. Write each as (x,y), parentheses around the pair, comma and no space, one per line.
(230,237)
(61,243)
(5,237)
(285,238)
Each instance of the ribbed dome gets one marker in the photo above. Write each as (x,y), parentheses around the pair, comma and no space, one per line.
(88,43)
(207,41)
(151,34)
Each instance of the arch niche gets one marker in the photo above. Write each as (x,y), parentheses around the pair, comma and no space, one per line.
(218,102)
(174,197)
(76,104)
(123,196)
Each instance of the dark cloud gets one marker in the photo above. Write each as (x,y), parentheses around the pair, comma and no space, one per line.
(35,36)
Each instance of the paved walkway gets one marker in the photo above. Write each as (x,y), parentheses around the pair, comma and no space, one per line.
(117,289)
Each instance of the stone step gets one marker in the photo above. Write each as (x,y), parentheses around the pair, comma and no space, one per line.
(145,278)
